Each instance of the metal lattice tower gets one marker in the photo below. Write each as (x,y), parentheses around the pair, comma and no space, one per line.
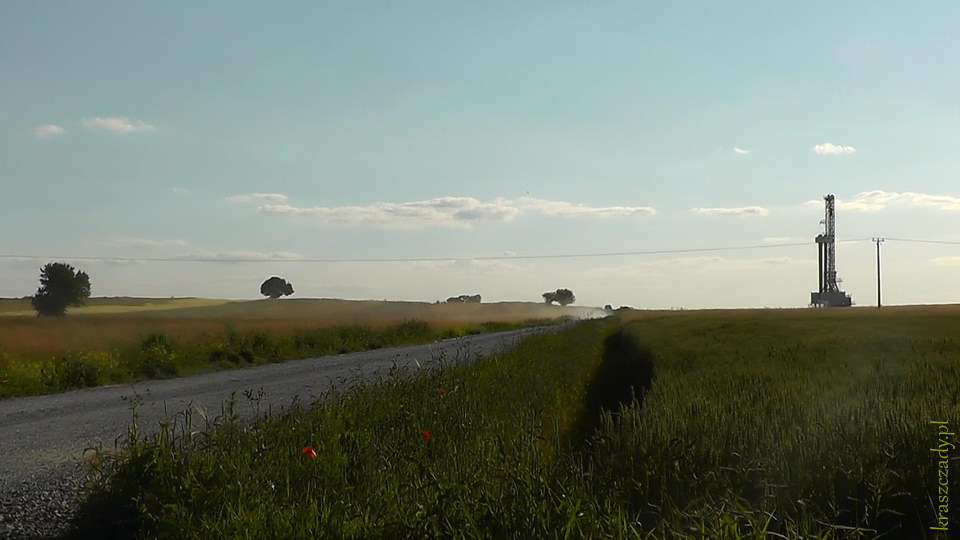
(829,293)
(829,238)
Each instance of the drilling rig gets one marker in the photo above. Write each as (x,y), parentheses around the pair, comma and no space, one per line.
(829,294)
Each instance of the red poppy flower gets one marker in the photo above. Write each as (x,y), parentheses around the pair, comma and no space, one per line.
(309,451)
(425,434)
(443,391)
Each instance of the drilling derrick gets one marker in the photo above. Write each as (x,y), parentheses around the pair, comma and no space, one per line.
(829,294)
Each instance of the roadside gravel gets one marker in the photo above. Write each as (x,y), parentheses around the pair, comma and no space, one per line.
(43,438)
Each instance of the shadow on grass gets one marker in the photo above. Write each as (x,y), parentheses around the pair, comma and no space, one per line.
(625,373)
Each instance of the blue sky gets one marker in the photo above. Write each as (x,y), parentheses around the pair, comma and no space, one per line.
(362,130)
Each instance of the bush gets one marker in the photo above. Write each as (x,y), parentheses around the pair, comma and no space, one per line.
(413,330)
(157,357)
(266,348)
(222,354)
(79,371)
(156,340)
(157,362)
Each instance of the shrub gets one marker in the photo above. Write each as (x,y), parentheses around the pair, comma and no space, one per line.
(220,355)
(79,371)
(156,340)
(265,347)
(157,357)
(412,330)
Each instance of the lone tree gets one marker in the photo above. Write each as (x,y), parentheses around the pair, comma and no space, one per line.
(560,296)
(276,287)
(60,286)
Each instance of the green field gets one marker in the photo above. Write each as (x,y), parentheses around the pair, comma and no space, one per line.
(740,424)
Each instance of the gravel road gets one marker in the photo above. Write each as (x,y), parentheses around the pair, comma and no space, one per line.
(43,438)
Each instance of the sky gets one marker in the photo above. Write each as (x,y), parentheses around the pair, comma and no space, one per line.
(292,133)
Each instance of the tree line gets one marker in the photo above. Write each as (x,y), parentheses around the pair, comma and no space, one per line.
(62,286)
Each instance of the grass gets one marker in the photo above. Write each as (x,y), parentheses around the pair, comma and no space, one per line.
(484,468)
(745,424)
(795,422)
(161,355)
(108,340)
(108,323)
(101,305)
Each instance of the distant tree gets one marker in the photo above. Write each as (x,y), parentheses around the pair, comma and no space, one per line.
(61,285)
(560,296)
(276,287)
(464,298)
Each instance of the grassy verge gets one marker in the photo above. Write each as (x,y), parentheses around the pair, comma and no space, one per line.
(468,449)
(709,425)
(160,355)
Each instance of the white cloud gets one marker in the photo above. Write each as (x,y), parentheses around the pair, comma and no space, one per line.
(739,212)
(231,256)
(146,242)
(472,266)
(571,210)
(181,191)
(262,197)
(455,212)
(741,151)
(48,130)
(441,212)
(832,149)
(872,201)
(118,261)
(946,261)
(117,124)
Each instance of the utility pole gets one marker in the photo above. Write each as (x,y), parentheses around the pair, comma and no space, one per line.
(878,241)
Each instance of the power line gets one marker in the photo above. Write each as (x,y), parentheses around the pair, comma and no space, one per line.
(923,241)
(416,259)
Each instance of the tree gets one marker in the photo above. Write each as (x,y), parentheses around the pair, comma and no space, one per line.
(61,285)
(560,296)
(276,287)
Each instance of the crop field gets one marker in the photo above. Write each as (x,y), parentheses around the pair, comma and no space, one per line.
(94,306)
(715,424)
(111,322)
(112,340)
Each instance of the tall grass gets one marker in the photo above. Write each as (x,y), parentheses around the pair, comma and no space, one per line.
(704,425)
(756,423)
(160,355)
(484,470)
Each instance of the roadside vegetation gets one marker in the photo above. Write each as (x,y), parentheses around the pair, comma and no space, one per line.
(687,425)
(161,355)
